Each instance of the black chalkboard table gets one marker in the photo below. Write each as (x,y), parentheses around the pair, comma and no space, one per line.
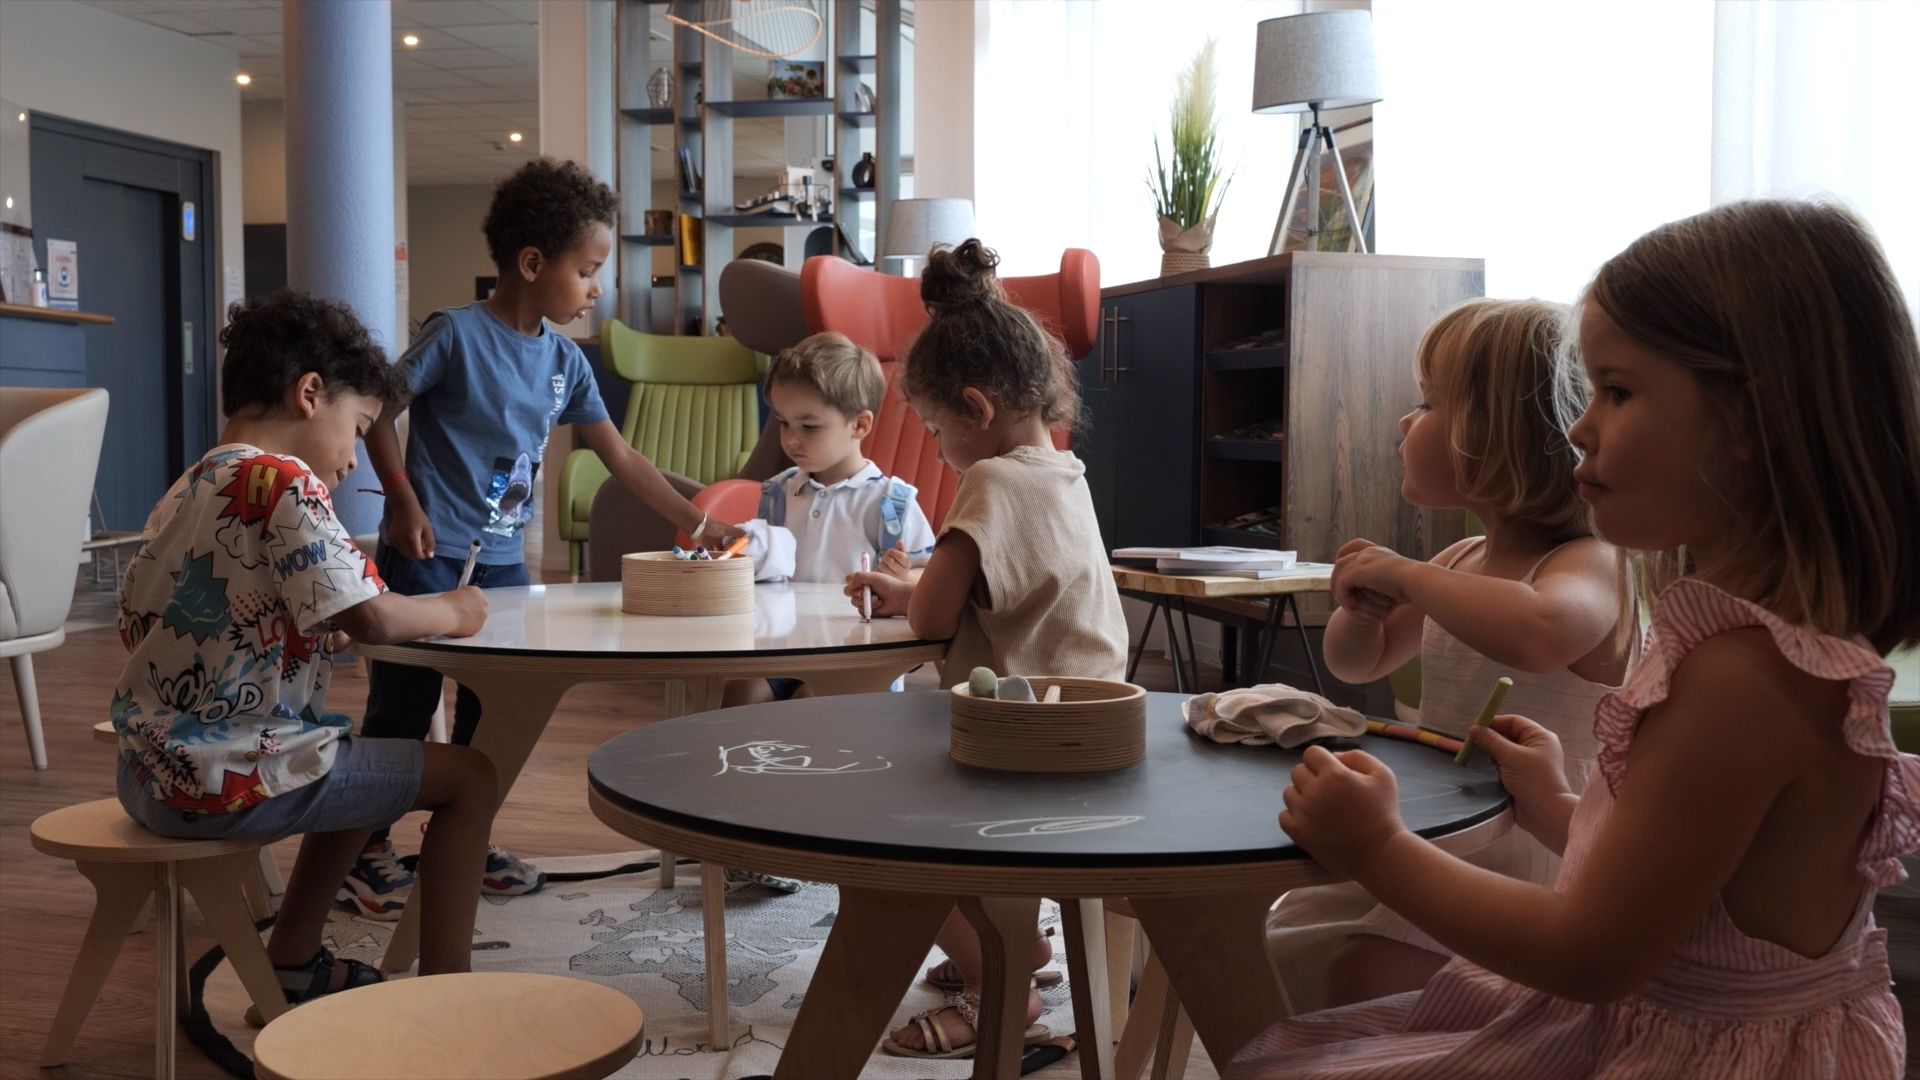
(859,791)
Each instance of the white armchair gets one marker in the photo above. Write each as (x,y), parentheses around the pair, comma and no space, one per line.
(49,450)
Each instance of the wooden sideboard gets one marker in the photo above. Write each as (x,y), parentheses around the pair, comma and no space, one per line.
(1164,391)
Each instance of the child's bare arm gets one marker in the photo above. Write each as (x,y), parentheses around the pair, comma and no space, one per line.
(1705,770)
(391,618)
(408,530)
(1360,646)
(1569,609)
(638,475)
(945,584)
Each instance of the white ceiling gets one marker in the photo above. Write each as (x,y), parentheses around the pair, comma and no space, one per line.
(473,79)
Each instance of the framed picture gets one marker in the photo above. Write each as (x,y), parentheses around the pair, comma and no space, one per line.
(1356,151)
(796,79)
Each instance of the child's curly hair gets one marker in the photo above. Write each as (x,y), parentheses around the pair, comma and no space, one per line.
(547,205)
(273,340)
(981,339)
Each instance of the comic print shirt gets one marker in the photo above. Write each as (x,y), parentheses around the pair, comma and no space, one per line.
(485,397)
(224,613)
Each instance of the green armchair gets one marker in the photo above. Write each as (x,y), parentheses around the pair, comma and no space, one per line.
(695,411)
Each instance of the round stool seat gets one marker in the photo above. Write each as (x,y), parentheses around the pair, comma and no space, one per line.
(103,732)
(509,1025)
(101,832)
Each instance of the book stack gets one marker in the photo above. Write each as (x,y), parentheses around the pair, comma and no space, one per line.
(1256,563)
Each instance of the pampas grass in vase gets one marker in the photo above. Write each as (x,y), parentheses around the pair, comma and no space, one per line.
(1187,195)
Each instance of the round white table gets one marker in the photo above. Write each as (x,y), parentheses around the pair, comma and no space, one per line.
(542,640)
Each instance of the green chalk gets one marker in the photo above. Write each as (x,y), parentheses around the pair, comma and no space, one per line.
(1500,688)
(983,683)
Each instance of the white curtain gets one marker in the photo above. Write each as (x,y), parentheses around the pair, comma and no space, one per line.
(1069,98)
(1810,99)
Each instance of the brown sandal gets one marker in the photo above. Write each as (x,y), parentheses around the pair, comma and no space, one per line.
(935,1037)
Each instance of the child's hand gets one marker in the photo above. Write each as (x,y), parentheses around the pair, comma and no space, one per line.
(1363,567)
(1341,807)
(719,534)
(890,594)
(897,562)
(410,533)
(469,606)
(1531,763)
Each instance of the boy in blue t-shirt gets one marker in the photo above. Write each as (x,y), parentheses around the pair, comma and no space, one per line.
(227,612)
(487,382)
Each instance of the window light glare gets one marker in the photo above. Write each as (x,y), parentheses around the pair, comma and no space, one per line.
(411,40)
(243,78)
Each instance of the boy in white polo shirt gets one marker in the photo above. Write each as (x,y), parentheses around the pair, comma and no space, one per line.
(817,518)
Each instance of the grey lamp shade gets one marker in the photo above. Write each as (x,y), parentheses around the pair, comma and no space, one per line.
(1324,59)
(917,224)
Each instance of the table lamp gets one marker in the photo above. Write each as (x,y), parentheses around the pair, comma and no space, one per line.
(917,224)
(1302,63)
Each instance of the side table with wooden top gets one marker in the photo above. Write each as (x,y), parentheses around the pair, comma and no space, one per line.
(1170,592)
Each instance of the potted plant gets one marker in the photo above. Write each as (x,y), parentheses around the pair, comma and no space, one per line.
(1188,194)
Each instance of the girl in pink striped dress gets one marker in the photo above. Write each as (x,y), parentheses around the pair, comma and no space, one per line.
(1754,432)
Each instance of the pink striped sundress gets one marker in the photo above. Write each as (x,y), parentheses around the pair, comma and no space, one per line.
(1725,1004)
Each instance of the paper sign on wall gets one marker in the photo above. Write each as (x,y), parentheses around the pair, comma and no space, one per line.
(236,289)
(63,274)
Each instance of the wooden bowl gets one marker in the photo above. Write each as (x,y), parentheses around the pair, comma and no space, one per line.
(1097,725)
(656,583)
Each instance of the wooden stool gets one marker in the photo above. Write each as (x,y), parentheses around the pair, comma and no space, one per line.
(128,865)
(264,887)
(508,1025)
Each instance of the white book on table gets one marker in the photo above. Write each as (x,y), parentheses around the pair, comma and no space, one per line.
(1201,558)
(1297,570)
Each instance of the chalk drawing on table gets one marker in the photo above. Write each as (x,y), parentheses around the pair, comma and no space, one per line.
(771,757)
(1050,826)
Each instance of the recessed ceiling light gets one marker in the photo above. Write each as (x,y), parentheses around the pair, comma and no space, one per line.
(243,78)
(9,202)
(23,118)
(410,40)
(515,137)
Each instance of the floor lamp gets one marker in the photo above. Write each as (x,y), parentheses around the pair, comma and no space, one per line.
(1306,63)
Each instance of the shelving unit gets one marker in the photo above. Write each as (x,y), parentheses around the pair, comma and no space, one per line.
(863,45)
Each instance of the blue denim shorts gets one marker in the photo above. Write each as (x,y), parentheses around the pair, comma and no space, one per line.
(371,784)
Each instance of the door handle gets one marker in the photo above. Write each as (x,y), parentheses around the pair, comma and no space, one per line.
(1106,340)
(1117,320)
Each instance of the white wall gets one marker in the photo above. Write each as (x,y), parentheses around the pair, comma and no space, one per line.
(949,44)
(445,250)
(69,60)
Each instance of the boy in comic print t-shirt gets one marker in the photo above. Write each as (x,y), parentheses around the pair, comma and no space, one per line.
(487,383)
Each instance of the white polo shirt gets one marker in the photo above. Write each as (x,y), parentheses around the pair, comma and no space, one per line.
(832,524)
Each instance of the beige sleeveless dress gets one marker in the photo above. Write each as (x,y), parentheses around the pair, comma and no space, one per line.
(1309,924)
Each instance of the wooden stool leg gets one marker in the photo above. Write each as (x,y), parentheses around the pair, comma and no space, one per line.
(1005,926)
(216,886)
(120,900)
(1087,967)
(166,909)
(713,922)
(1142,1032)
(1119,933)
(1174,1042)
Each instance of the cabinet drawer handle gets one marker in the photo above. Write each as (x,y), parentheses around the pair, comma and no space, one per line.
(1117,320)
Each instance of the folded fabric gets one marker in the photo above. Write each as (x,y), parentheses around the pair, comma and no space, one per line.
(772,549)
(1271,713)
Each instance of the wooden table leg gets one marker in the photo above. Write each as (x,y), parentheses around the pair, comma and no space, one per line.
(713,921)
(1005,926)
(1087,960)
(1214,950)
(515,707)
(166,1006)
(872,954)
(863,680)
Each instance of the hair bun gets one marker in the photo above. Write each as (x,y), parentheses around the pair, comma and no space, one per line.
(961,275)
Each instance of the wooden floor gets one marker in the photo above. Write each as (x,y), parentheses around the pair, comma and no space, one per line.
(44,903)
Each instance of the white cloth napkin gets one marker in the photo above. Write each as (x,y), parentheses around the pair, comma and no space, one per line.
(1270,713)
(772,549)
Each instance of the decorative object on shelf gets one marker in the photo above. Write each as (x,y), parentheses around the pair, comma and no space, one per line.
(1336,231)
(769,28)
(794,194)
(765,251)
(795,80)
(918,224)
(689,173)
(863,172)
(863,98)
(660,89)
(1187,196)
(820,242)
(658,222)
(1306,63)
(690,240)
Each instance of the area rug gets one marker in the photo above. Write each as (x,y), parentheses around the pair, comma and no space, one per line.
(624,931)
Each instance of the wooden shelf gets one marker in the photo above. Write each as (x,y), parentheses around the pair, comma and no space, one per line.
(856,193)
(863,64)
(766,221)
(799,107)
(49,314)
(690,268)
(1274,450)
(649,116)
(1265,359)
(647,241)
(861,119)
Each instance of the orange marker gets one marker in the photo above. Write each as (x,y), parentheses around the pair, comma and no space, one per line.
(738,546)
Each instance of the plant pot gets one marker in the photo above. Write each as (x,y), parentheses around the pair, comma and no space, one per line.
(1182,250)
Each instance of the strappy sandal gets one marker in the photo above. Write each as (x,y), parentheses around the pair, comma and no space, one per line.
(939,978)
(302,983)
(935,1037)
